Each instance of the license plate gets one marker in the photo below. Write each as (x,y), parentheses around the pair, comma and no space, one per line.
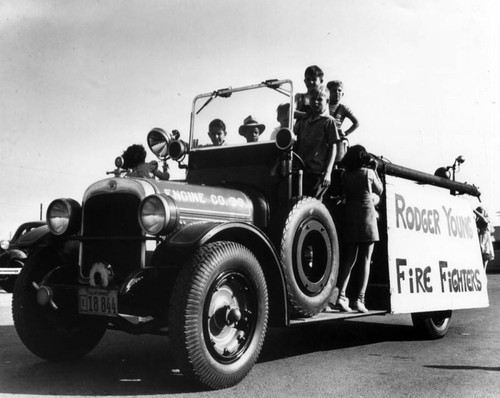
(98,302)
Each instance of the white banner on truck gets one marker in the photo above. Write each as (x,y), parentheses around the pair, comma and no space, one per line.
(434,255)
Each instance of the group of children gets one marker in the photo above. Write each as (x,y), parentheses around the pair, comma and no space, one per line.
(322,145)
(251,129)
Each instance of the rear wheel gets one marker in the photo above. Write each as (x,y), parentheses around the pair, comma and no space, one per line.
(218,314)
(310,255)
(51,334)
(432,325)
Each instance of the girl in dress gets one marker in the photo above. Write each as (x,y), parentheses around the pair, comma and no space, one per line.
(361,184)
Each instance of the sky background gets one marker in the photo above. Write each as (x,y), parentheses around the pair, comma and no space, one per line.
(82,80)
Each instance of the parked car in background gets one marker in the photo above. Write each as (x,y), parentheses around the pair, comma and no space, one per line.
(13,252)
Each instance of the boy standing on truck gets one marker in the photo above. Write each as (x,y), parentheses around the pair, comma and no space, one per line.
(340,112)
(282,116)
(317,140)
(313,77)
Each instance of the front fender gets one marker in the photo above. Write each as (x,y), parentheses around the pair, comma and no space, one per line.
(195,235)
(33,237)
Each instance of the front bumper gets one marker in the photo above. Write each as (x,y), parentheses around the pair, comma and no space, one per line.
(9,271)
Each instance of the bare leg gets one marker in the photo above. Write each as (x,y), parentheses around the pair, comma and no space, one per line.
(350,255)
(365,254)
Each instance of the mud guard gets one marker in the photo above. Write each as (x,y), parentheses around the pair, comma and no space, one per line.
(195,235)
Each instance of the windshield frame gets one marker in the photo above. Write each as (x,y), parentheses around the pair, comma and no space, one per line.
(227,92)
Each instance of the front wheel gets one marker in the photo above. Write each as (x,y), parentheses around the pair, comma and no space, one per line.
(218,314)
(432,325)
(52,334)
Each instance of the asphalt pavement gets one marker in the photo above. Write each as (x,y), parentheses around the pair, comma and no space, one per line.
(377,356)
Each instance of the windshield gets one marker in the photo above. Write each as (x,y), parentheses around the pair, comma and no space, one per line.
(250,115)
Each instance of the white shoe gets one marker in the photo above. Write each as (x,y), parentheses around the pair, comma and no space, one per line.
(343,304)
(360,306)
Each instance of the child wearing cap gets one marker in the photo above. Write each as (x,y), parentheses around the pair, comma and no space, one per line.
(317,140)
(251,129)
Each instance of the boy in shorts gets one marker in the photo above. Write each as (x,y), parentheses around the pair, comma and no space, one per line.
(317,140)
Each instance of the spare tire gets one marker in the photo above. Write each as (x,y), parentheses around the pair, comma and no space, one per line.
(309,252)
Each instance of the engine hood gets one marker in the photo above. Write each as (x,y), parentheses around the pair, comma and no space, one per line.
(137,186)
(195,202)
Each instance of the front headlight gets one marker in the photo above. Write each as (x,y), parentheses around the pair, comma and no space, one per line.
(4,244)
(64,217)
(158,214)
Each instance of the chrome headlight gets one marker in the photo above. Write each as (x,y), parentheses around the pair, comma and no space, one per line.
(4,244)
(64,216)
(158,214)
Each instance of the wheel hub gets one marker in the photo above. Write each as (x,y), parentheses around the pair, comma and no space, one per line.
(313,258)
(230,320)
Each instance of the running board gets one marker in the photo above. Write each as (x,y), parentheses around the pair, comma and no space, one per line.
(334,315)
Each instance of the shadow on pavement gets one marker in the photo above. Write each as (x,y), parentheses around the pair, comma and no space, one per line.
(120,365)
(142,365)
(305,339)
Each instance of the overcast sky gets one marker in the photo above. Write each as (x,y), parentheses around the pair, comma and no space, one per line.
(82,80)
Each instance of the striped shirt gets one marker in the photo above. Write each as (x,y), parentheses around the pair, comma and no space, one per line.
(339,113)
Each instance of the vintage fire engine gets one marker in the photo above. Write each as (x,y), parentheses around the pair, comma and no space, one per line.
(235,247)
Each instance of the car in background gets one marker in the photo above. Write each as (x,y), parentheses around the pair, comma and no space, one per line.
(13,252)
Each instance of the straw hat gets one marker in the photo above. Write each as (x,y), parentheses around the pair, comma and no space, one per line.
(250,123)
